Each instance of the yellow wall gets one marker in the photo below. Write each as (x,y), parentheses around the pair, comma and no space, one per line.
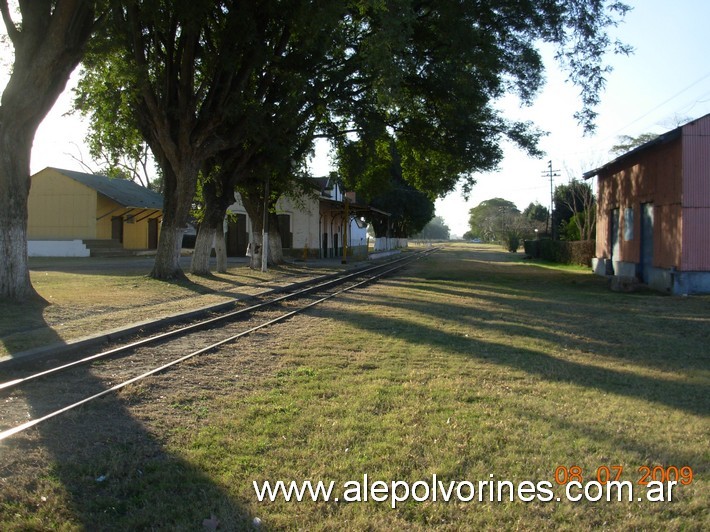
(63,209)
(60,208)
(135,235)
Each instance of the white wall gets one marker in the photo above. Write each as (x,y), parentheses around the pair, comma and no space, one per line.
(57,248)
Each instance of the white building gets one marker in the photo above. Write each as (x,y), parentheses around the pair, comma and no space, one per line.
(310,227)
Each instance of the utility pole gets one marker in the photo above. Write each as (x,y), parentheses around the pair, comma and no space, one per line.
(550,173)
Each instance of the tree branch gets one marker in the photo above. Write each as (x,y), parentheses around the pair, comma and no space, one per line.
(12,30)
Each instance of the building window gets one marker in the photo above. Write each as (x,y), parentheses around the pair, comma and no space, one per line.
(629,223)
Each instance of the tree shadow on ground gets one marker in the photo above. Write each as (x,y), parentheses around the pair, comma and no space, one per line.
(576,313)
(692,397)
(98,467)
(21,326)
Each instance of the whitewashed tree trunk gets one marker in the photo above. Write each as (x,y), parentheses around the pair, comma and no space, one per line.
(200,264)
(255,249)
(220,248)
(167,258)
(276,252)
(48,45)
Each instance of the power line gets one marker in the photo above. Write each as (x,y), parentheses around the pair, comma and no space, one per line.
(664,102)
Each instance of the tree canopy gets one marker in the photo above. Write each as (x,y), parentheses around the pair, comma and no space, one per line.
(487,220)
(573,216)
(198,80)
(626,143)
(436,229)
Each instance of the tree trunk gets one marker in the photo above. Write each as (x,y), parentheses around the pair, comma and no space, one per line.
(48,46)
(276,252)
(200,264)
(177,199)
(218,196)
(15,282)
(220,249)
(255,209)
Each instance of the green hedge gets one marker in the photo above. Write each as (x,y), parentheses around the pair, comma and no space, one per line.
(579,252)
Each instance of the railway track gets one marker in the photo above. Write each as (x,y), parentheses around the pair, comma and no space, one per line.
(129,363)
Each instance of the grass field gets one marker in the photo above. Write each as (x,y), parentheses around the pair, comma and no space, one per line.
(472,366)
(93,299)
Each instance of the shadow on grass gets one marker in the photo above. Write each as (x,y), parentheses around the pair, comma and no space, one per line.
(572,313)
(102,469)
(545,313)
(22,327)
(686,396)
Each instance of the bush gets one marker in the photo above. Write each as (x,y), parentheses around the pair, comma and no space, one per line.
(513,243)
(580,252)
(532,248)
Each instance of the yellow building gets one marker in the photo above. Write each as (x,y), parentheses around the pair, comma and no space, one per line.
(74,214)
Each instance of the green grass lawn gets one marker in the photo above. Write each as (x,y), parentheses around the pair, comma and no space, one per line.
(468,365)
(81,302)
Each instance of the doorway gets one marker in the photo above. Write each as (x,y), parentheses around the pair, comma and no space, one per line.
(117,228)
(646,262)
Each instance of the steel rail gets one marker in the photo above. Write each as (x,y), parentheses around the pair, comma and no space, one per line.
(33,422)
(200,324)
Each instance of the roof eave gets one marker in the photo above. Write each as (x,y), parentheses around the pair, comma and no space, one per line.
(661,139)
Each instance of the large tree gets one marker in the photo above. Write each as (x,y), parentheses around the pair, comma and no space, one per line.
(182,70)
(211,86)
(436,229)
(285,110)
(451,61)
(574,214)
(427,75)
(490,219)
(48,42)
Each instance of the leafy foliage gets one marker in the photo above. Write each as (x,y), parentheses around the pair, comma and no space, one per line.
(436,229)
(487,218)
(626,143)
(536,212)
(573,215)
(219,84)
(409,210)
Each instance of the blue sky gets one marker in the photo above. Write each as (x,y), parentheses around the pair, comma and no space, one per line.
(667,76)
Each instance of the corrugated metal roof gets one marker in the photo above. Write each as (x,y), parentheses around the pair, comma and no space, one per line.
(661,139)
(122,191)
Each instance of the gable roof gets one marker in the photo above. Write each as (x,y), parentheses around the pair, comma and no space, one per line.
(660,139)
(122,191)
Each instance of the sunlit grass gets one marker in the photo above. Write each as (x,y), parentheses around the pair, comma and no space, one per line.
(76,305)
(466,366)
(416,377)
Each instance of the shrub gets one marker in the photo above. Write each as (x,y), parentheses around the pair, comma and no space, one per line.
(513,243)
(580,252)
(532,248)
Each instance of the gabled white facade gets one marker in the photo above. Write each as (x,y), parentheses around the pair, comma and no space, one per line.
(315,224)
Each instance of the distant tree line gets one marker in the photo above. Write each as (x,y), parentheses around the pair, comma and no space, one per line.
(499,220)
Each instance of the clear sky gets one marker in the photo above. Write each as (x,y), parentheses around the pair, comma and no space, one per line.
(667,76)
